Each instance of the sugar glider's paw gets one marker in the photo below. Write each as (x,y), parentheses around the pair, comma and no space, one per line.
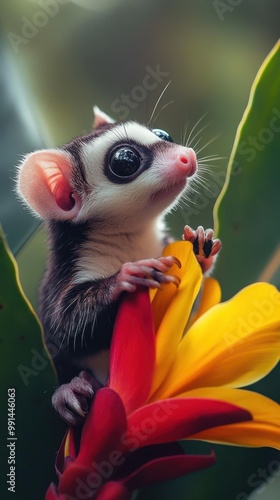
(148,272)
(204,245)
(72,400)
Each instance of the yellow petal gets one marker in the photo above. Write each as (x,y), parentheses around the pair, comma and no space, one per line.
(67,445)
(235,343)
(152,292)
(172,307)
(163,297)
(210,296)
(263,430)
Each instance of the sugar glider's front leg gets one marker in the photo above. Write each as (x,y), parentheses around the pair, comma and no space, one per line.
(205,247)
(72,400)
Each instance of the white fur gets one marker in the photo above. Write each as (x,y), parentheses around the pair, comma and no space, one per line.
(100,117)
(131,202)
(97,148)
(130,215)
(103,256)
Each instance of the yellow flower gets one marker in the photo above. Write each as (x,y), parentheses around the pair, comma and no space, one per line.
(180,383)
(222,348)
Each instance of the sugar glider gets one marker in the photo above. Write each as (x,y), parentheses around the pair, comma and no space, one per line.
(103,198)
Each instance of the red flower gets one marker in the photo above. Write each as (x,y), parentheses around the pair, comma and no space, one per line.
(128,442)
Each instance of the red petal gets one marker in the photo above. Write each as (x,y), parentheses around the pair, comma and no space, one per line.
(174,419)
(114,490)
(137,459)
(105,425)
(79,482)
(166,468)
(91,483)
(52,493)
(68,448)
(100,446)
(133,350)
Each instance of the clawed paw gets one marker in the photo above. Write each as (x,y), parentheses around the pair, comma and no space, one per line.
(205,247)
(148,272)
(72,400)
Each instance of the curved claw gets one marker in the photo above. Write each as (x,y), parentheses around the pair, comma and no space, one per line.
(217,245)
(174,279)
(176,261)
(205,247)
(147,272)
(72,400)
(189,234)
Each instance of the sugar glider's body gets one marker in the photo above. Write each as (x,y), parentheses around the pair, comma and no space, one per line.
(75,304)
(103,198)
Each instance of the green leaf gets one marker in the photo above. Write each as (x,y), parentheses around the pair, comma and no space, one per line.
(247,220)
(26,367)
(34,250)
(247,211)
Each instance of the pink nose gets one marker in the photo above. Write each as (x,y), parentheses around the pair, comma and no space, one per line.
(186,161)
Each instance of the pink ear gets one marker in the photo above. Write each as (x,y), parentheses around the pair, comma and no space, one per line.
(45,184)
(100,118)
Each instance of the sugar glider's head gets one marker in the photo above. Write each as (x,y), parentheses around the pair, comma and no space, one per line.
(119,171)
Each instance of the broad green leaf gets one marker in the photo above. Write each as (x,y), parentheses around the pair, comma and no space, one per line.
(25,367)
(34,250)
(247,211)
(247,220)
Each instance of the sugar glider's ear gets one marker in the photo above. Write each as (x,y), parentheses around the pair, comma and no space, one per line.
(100,118)
(44,182)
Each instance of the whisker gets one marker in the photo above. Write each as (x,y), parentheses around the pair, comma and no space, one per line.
(118,133)
(184,132)
(190,141)
(194,146)
(212,158)
(207,168)
(208,143)
(202,182)
(125,131)
(194,127)
(163,107)
(193,190)
(157,103)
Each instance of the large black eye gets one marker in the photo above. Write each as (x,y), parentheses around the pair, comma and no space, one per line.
(125,162)
(162,135)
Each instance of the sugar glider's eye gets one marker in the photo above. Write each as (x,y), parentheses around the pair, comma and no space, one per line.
(125,162)
(162,134)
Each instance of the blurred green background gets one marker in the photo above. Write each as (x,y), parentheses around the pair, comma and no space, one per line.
(58,58)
